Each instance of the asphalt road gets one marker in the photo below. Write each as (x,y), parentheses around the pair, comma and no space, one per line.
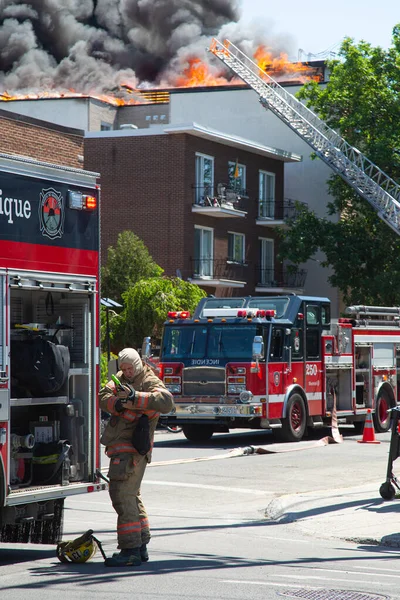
(213,535)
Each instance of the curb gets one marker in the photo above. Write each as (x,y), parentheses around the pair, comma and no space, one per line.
(335,514)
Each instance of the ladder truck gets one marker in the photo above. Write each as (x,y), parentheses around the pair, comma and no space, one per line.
(368,180)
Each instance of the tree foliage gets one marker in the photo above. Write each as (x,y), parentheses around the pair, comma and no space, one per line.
(127,263)
(146,306)
(362,102)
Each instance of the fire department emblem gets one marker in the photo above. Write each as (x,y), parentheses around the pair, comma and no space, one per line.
(296,344)
(51,214)
(277,378)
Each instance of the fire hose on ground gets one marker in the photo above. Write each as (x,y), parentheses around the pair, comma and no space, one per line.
(334,438)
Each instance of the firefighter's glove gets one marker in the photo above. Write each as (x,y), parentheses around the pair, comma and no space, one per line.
(126,393)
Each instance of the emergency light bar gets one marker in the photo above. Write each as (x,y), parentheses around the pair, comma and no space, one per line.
(80,201)
(182,314)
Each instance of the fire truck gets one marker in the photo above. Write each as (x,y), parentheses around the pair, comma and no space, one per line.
(280,363)
(49,344)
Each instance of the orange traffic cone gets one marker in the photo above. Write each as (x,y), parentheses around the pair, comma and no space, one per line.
(369,431)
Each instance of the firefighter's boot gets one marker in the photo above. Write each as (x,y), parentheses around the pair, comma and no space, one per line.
(128,557)
(144,555)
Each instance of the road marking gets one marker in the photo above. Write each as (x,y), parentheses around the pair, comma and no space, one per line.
(275,584)
(291,585)
(218,488)
(335,580)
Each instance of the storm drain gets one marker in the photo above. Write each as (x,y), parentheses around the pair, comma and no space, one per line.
(331,595)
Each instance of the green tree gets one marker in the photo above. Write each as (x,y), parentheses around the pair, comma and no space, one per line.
(128,262)
(362,102)
(146,306)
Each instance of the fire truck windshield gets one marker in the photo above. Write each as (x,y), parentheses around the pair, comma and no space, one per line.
(233,342)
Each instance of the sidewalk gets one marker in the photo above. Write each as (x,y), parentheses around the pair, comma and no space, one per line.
(356,514)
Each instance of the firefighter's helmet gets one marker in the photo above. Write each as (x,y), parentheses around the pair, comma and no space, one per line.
(79,550)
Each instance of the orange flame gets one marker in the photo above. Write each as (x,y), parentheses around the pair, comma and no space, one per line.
(198,73)
(51,95)
(279,67)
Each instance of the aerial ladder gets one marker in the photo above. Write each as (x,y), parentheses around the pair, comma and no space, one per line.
(368,180)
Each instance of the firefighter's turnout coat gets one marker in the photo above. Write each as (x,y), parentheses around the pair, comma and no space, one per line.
(127,466)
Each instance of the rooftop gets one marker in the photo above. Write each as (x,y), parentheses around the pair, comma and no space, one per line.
(205,133)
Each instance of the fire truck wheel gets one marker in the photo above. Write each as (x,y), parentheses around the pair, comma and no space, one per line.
(294,425)
(197,433)
(381,416)
(387,491)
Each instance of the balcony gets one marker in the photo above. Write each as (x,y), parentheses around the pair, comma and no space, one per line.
(218,272)
(273,281)
(276,214)
(221,202)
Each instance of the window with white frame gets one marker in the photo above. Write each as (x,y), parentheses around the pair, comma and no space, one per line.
(236,248)
(237,177)
(203,251)
(266,195)
(267,260)
(204,178)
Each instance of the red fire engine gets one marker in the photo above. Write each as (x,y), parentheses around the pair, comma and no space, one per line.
(278,362)
(49,344)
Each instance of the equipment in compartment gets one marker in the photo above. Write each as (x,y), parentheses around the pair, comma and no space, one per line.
(39,366)
(72,429)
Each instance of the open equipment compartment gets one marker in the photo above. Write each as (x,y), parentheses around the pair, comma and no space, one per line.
(50,320)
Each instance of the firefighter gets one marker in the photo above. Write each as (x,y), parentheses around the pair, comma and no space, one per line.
(135,405)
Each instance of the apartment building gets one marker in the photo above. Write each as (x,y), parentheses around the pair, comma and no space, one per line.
(206,204)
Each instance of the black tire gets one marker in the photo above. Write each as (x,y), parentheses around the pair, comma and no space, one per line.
(382,419)
(294,424)
(198,433)
(387,491)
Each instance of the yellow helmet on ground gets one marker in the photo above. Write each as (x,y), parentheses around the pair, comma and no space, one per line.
(79,550)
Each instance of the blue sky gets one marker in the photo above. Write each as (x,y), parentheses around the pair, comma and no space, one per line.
(316,26)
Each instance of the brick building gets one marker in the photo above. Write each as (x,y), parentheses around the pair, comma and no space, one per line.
(206,204)
(41,140)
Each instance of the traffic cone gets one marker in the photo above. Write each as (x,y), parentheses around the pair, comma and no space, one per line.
(369,431)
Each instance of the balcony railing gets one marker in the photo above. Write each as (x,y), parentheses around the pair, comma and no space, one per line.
(271,209)
(219,268)
(291,278)
(220,196)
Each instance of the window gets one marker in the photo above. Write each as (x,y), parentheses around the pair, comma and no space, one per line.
(105,126)
(276,351)
(237,177)
(325,314)
(236,247)
(204,177)
(203,251)
(267,270)
(312,315)
(266,195)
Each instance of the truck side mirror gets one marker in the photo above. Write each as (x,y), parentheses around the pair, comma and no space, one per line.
(146,348)
(258,347)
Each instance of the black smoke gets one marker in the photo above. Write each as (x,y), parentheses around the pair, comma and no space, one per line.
(95,45)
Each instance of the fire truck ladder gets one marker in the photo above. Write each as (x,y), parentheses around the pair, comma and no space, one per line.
(382,192)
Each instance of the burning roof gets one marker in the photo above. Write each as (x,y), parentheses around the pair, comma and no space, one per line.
(115,51)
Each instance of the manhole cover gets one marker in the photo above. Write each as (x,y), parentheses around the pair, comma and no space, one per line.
(331,595)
